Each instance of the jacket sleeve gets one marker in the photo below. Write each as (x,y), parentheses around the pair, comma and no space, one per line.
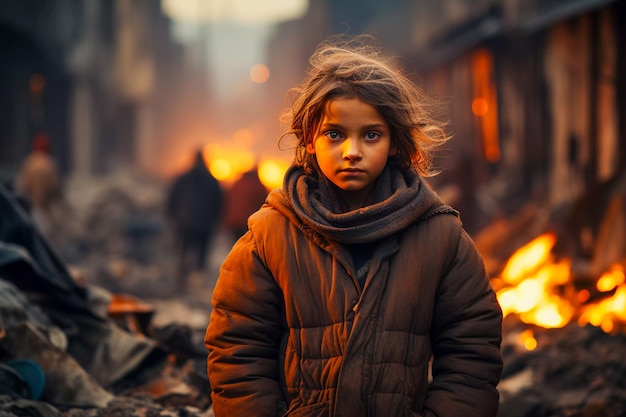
(243,337)
(465,334)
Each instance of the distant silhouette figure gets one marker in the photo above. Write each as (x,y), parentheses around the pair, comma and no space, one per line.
(194,207)
(245,197)
(39,182)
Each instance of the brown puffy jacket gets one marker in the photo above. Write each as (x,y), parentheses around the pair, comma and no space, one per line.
(291,328)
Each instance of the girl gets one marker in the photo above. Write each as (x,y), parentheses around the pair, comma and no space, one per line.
(354,274)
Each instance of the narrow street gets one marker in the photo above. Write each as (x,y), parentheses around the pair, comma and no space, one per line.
(106,105)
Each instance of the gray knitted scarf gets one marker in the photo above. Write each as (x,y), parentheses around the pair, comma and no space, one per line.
(399,199)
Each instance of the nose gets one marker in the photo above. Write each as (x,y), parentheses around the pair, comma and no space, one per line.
(352,149)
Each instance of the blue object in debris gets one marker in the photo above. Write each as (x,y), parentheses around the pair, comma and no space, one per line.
(32,374)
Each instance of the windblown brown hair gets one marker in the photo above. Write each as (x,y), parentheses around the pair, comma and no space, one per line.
(357,66)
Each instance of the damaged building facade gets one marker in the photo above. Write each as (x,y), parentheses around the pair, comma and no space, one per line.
(537,90)
(101,78)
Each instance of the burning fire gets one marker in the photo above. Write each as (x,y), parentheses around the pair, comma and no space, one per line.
(607,312)
(228,164)
(539,288)
(228,158)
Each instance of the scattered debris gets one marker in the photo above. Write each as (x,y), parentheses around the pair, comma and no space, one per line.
(119,283)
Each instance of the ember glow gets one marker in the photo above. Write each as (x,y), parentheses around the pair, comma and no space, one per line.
(527,339)
(610,310)
(540,290)
(272,171)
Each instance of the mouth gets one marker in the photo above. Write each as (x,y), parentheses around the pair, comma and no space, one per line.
(352,173)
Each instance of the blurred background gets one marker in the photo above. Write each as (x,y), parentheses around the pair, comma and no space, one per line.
(121,94)
(533,89)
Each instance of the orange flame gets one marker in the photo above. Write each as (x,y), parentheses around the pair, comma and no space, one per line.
(528,258)
(540,291)
(607,312)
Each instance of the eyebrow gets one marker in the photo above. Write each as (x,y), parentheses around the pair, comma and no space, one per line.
(340,126)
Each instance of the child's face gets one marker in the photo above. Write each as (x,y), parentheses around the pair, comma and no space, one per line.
(352,146)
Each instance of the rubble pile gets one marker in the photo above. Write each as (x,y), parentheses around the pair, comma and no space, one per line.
(574,372)
(57,314)
(116,231)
